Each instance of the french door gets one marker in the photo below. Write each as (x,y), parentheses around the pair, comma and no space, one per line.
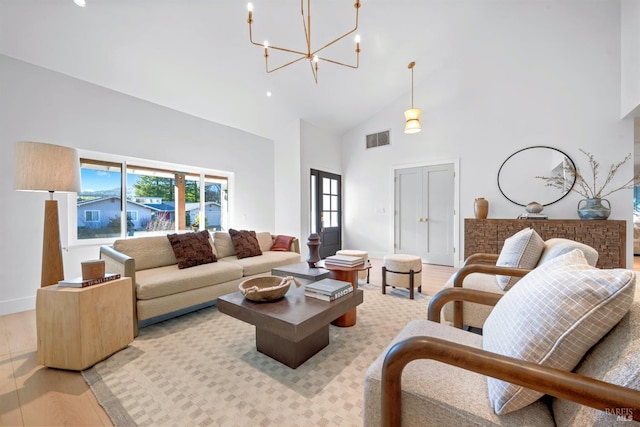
(326,210)
(424,213)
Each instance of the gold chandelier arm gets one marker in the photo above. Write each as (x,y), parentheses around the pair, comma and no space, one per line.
(266,61)
(314,70)
(342,63)
(307,28)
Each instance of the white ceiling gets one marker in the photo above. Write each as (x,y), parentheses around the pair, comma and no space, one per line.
(194,55)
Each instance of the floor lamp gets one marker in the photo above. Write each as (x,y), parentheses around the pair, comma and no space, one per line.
(48,167)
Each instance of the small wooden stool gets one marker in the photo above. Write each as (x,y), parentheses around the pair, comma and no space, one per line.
(364,274)
(402,271)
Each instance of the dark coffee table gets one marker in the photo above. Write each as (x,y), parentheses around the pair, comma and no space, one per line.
(292,329)
(301,270)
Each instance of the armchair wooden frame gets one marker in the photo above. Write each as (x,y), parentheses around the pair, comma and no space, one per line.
(566,385)
(479,263)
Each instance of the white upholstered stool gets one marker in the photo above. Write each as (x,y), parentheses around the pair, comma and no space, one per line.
(364,274)
(402,271)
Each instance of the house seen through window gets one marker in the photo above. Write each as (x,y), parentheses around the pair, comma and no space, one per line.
(151,200)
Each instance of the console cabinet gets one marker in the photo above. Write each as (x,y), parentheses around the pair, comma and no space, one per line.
(608,237)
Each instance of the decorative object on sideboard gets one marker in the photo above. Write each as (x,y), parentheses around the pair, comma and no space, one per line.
(412,115)
(534,207)
(517,176)
(47,167)
(310,55)
(588,187)
(313,243)
(533,211)
(594,209)
(481,207)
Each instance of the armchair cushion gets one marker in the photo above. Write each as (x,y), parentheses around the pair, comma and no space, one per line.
(521,250)
(552,317)
(558,246)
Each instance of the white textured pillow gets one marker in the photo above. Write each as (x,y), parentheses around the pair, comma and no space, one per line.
(522,250)
(553,317)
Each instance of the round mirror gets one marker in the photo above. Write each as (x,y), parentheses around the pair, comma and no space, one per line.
(517,176)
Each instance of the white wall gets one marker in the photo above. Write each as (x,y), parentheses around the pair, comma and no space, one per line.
(534,73)
(41,105)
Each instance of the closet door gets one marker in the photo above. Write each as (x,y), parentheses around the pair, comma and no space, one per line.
(424,213)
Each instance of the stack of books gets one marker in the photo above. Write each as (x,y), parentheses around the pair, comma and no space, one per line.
(533,216)
(328,289)
(344,260)
(78,282)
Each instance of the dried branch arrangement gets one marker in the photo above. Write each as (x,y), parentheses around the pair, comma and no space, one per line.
(587,186)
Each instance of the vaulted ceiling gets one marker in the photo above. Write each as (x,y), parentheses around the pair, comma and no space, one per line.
(194,55)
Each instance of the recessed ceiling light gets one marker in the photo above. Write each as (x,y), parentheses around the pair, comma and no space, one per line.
(268,94)
(81,3)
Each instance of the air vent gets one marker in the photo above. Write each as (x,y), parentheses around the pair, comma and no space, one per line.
(378,139)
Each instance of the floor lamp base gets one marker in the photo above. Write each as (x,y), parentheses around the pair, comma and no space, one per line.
(52,268)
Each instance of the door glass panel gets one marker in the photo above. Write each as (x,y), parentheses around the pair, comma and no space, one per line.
(334,203)
(334,219)
(326,185)
(326,202)
(326,219)
(334,186)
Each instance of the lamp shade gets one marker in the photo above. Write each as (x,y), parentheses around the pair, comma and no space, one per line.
(412,117)
(46,167)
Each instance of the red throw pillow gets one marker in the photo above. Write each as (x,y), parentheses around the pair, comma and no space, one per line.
(245,243)
(192,249)
(282,243)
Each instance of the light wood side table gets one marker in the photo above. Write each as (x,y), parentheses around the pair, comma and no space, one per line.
(78,327)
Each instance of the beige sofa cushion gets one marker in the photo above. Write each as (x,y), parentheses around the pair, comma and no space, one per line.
(148,252)
(167,280)
(263,263)
(264,240)
(552,317)
(437,394)
(521,250)
(223,244)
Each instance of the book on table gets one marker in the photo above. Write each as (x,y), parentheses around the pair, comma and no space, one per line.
(327,287)
(344,260)
(78,282)
(329,298)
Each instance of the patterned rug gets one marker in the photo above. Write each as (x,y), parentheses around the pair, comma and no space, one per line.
(203,369)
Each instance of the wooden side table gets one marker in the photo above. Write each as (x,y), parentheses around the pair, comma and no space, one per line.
(346,274)
(78,327)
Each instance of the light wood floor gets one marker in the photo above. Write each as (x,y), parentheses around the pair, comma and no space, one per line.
(32,395)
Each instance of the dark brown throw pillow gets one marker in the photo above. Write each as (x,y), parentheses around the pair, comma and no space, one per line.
(282,243)
(245,243)
(192,249)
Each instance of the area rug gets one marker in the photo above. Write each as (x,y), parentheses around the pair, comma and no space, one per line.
(203,369)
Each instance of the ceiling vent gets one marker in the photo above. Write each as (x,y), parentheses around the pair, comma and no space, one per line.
(378,139)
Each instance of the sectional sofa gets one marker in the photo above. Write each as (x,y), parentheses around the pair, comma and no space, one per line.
(163,287)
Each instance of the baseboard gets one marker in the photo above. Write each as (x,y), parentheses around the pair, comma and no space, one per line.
(17,305)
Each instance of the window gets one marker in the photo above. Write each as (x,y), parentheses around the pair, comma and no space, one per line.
(152,197)
(92,216)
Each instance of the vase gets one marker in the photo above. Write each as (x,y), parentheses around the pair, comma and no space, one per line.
(481,207)
(593,209)
(313,243)
(534,208)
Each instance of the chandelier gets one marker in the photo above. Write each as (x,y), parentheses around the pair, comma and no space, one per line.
(310,55)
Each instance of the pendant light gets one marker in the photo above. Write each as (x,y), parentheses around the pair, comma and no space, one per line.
(412,116)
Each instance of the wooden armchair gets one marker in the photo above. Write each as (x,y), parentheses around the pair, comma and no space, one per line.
(435,374)
(479,272)
(619,401)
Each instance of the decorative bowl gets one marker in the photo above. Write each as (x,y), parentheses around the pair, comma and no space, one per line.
(267,288)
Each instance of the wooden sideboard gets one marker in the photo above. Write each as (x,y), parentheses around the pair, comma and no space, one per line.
(608,237)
